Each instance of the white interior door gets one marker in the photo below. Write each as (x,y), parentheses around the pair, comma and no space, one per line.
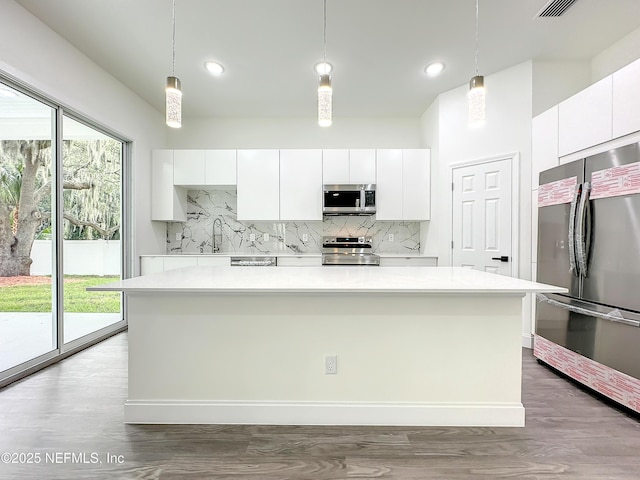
(482,217)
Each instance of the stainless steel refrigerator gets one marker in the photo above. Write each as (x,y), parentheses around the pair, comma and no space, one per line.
(589,242)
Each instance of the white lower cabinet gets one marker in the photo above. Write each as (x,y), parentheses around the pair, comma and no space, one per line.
(150,265)
(154,264)
(408,261)
(214,261)
(179,261)
(300,261)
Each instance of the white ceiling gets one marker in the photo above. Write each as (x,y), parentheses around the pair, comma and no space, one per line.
(378,47)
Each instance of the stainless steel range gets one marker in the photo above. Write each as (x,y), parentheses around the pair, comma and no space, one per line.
(348,251)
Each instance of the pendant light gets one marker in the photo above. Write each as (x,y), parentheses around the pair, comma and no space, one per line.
(173,90)
(476,95)
(324,87)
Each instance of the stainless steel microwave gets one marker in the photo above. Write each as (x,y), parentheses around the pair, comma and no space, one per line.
(349,199)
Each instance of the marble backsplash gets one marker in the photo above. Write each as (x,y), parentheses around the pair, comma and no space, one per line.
(205,206)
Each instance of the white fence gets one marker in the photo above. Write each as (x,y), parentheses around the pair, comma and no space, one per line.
(80,257)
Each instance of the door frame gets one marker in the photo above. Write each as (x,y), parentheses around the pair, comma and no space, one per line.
(514,158)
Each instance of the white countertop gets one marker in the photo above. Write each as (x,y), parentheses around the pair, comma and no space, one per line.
(314,255)
(333,279)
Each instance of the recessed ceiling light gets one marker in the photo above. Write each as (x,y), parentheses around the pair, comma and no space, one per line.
(214,68)
(323,68)
(434,69)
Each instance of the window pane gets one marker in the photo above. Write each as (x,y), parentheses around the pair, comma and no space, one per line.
(91,167)
(27,324)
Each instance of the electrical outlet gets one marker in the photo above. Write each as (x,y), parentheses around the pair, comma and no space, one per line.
(305,237)
(178,236)
(265,237)
(331,364)
(391,237)
(252,237)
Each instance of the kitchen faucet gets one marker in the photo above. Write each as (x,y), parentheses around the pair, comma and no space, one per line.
(215,247)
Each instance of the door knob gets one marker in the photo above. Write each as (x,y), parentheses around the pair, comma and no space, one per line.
(503,258)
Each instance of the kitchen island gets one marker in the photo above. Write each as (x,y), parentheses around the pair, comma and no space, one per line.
(413,346)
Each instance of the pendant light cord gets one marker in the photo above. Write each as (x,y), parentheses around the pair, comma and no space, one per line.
(477,14)
(173,67)
(324,38)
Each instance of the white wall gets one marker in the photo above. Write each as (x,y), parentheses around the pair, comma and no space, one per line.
(507,131)
(297,133)
(616,56)
(555,81)
(430,126)
(33,54)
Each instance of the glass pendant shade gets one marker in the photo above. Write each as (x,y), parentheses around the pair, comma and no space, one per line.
(324,101)
(174,102)
(476,101)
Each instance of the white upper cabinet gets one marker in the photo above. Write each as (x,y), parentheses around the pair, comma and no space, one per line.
(168,202)
(389,185)
(204,168)
(362,166)
(300,184)
(220,167)
(348,166)
(258,185)
(188,167)
(403,185)
(585,118)
(544,144)
(416,184)
(335,166)
(626,101)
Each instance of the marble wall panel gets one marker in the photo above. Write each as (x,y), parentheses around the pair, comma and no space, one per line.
(233,236)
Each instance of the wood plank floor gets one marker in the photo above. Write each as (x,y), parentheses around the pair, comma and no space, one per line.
(70,417)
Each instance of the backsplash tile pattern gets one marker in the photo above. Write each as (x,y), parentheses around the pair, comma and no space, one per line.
(204,206)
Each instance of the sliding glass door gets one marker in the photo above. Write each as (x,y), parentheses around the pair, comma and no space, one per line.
(61,221)
(27,139)
(91,169)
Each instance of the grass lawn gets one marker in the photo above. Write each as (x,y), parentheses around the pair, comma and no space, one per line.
(37,297)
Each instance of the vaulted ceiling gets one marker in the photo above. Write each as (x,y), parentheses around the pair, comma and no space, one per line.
(378,48)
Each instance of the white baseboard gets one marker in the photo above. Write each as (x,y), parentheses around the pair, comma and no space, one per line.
(324,413)
(527,341)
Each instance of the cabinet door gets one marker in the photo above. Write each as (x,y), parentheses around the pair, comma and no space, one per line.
(300,184)
(220,168)
(416,184)
(362,166)
(408,261)
(188,167)
(258,185)
(335,166)
(173,262)
(626,101)
(585,118)
(389,190)
(168,203)
(214,261)
(544,144)
(151,265)
(300,261)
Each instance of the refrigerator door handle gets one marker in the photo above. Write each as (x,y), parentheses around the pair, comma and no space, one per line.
(583,226)
(573,267)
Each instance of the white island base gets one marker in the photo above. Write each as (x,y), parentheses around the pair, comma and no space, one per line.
(416,352)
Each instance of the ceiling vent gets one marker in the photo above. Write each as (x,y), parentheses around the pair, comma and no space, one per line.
(555,8)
